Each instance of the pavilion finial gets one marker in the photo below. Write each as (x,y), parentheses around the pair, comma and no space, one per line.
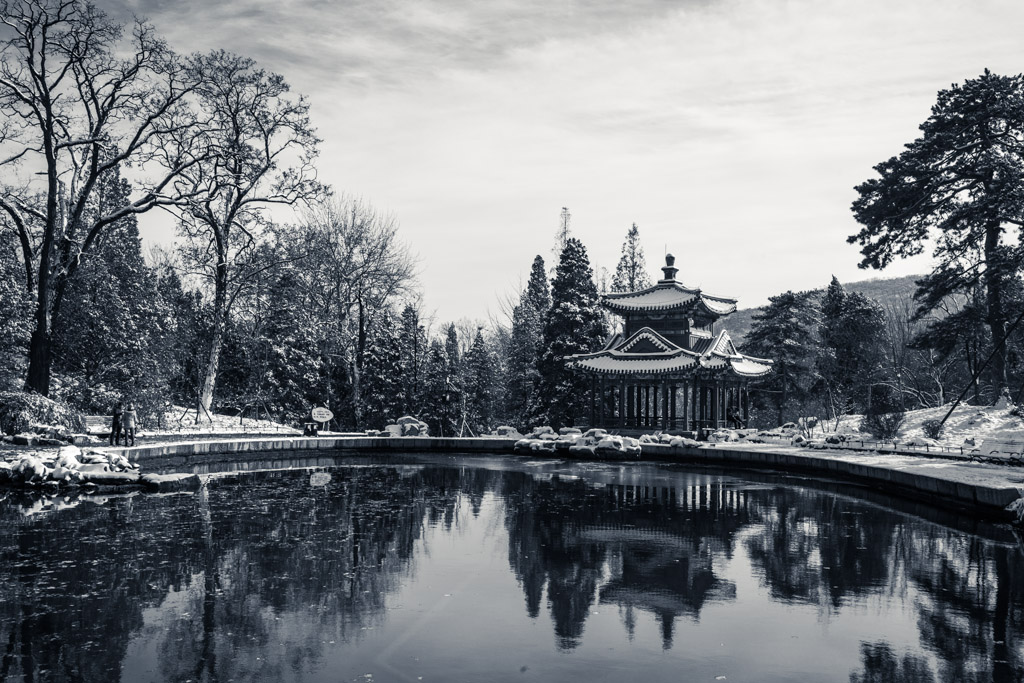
(669,268)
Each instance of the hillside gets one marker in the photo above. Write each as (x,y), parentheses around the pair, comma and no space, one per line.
(884,291)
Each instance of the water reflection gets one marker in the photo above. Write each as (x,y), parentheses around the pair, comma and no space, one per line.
(263,576)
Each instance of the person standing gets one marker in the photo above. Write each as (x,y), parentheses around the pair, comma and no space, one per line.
(115,425)
(130,418)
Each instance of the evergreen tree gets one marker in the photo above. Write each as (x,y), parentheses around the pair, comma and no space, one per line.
(573,325)
(631,273)
(480,385)
(107,343)
(382,391)
(959,186)
(442,397)
(784,332)
(524,345)
(414,352)
(15,316)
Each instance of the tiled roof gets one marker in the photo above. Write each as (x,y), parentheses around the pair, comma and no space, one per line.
(667,295)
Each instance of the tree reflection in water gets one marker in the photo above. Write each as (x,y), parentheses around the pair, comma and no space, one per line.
(267,573)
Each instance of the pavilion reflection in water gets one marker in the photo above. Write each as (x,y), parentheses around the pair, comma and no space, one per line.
(271,569)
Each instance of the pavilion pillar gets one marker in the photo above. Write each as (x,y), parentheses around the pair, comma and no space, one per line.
(673,389)
(620,415)
(600,402)
(628,400)
(714,404)
(647,404)
(686,406)
(593,382)
(746,407)
(664,405)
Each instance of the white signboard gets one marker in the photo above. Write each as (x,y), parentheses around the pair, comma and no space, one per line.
(321,414)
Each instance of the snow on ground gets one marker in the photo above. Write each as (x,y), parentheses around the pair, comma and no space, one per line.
(967,422)
(182,421)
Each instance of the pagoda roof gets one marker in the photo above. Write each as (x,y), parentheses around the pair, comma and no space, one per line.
(665,296)
(647,352)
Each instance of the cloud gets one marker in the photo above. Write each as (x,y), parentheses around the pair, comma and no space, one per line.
(732,131)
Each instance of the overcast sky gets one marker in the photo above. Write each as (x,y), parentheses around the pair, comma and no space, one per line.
(732,132)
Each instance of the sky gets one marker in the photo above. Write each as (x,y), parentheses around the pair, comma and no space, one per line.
(731,131)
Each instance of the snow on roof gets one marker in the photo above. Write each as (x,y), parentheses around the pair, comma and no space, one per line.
(749,368)
(646,333)
(620,365)
(666,295)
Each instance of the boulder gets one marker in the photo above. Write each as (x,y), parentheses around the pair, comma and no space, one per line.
(682,441)
(569,430)
(407,420)
(25,440)
(507,431)
(393,430)
(595,433)
(723,436)
(537,431)
(415,429)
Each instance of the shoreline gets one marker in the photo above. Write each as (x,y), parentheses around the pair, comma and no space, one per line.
(989,491)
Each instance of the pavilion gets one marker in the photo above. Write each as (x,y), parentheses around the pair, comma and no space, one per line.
(669,369)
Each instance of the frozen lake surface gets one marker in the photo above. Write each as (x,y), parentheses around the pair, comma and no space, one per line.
(475,569)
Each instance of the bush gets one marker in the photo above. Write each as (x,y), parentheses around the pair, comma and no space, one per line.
(932,428)
(20,410)
(882,426)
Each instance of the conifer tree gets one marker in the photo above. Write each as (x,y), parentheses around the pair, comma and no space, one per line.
(382,391)
(784,332)
(631,274)
(442,397)
(480,385)
(958,186)
(107,343)
(524,345)
(15,315)
(414,352)
(573,325)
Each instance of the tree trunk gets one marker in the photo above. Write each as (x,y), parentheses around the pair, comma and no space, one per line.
(220,315)
(994,302)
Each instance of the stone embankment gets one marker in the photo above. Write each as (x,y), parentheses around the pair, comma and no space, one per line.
(990,490)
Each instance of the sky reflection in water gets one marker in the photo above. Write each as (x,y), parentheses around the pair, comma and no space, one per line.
(485,570)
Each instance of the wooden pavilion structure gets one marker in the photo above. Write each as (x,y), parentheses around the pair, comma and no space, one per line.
(669,369)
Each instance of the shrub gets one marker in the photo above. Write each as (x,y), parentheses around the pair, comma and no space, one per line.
(932,428)
(882,426)
(20,410)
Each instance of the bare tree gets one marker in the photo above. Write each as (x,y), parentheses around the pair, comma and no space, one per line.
(259,151)
(77,100)
(353,265)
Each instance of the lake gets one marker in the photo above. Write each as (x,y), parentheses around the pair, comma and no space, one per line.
(436,568)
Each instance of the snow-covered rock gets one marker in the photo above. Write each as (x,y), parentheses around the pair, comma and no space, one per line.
(507,431)
(723,436)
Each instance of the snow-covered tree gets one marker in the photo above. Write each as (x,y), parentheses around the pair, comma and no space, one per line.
(959,187)
(412,339)
(784,332)
(481,384)
(525,340)
(631,272)
(573,325)
(15,314)
(108,339)
(382,392)
(442,394)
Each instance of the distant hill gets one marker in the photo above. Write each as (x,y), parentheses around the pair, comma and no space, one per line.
(884,291)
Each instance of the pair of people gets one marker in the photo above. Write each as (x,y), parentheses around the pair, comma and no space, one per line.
(123,422)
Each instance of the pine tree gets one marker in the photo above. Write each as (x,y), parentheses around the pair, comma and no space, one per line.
(107,342)
(15,316)
(414,352)
(480,385)
(524,345)
(573,325)
(784,332)
(562,235)
(441,395)
(382,390)
(631,273)
(958,186)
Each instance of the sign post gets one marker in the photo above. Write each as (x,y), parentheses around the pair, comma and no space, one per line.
(322,415)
